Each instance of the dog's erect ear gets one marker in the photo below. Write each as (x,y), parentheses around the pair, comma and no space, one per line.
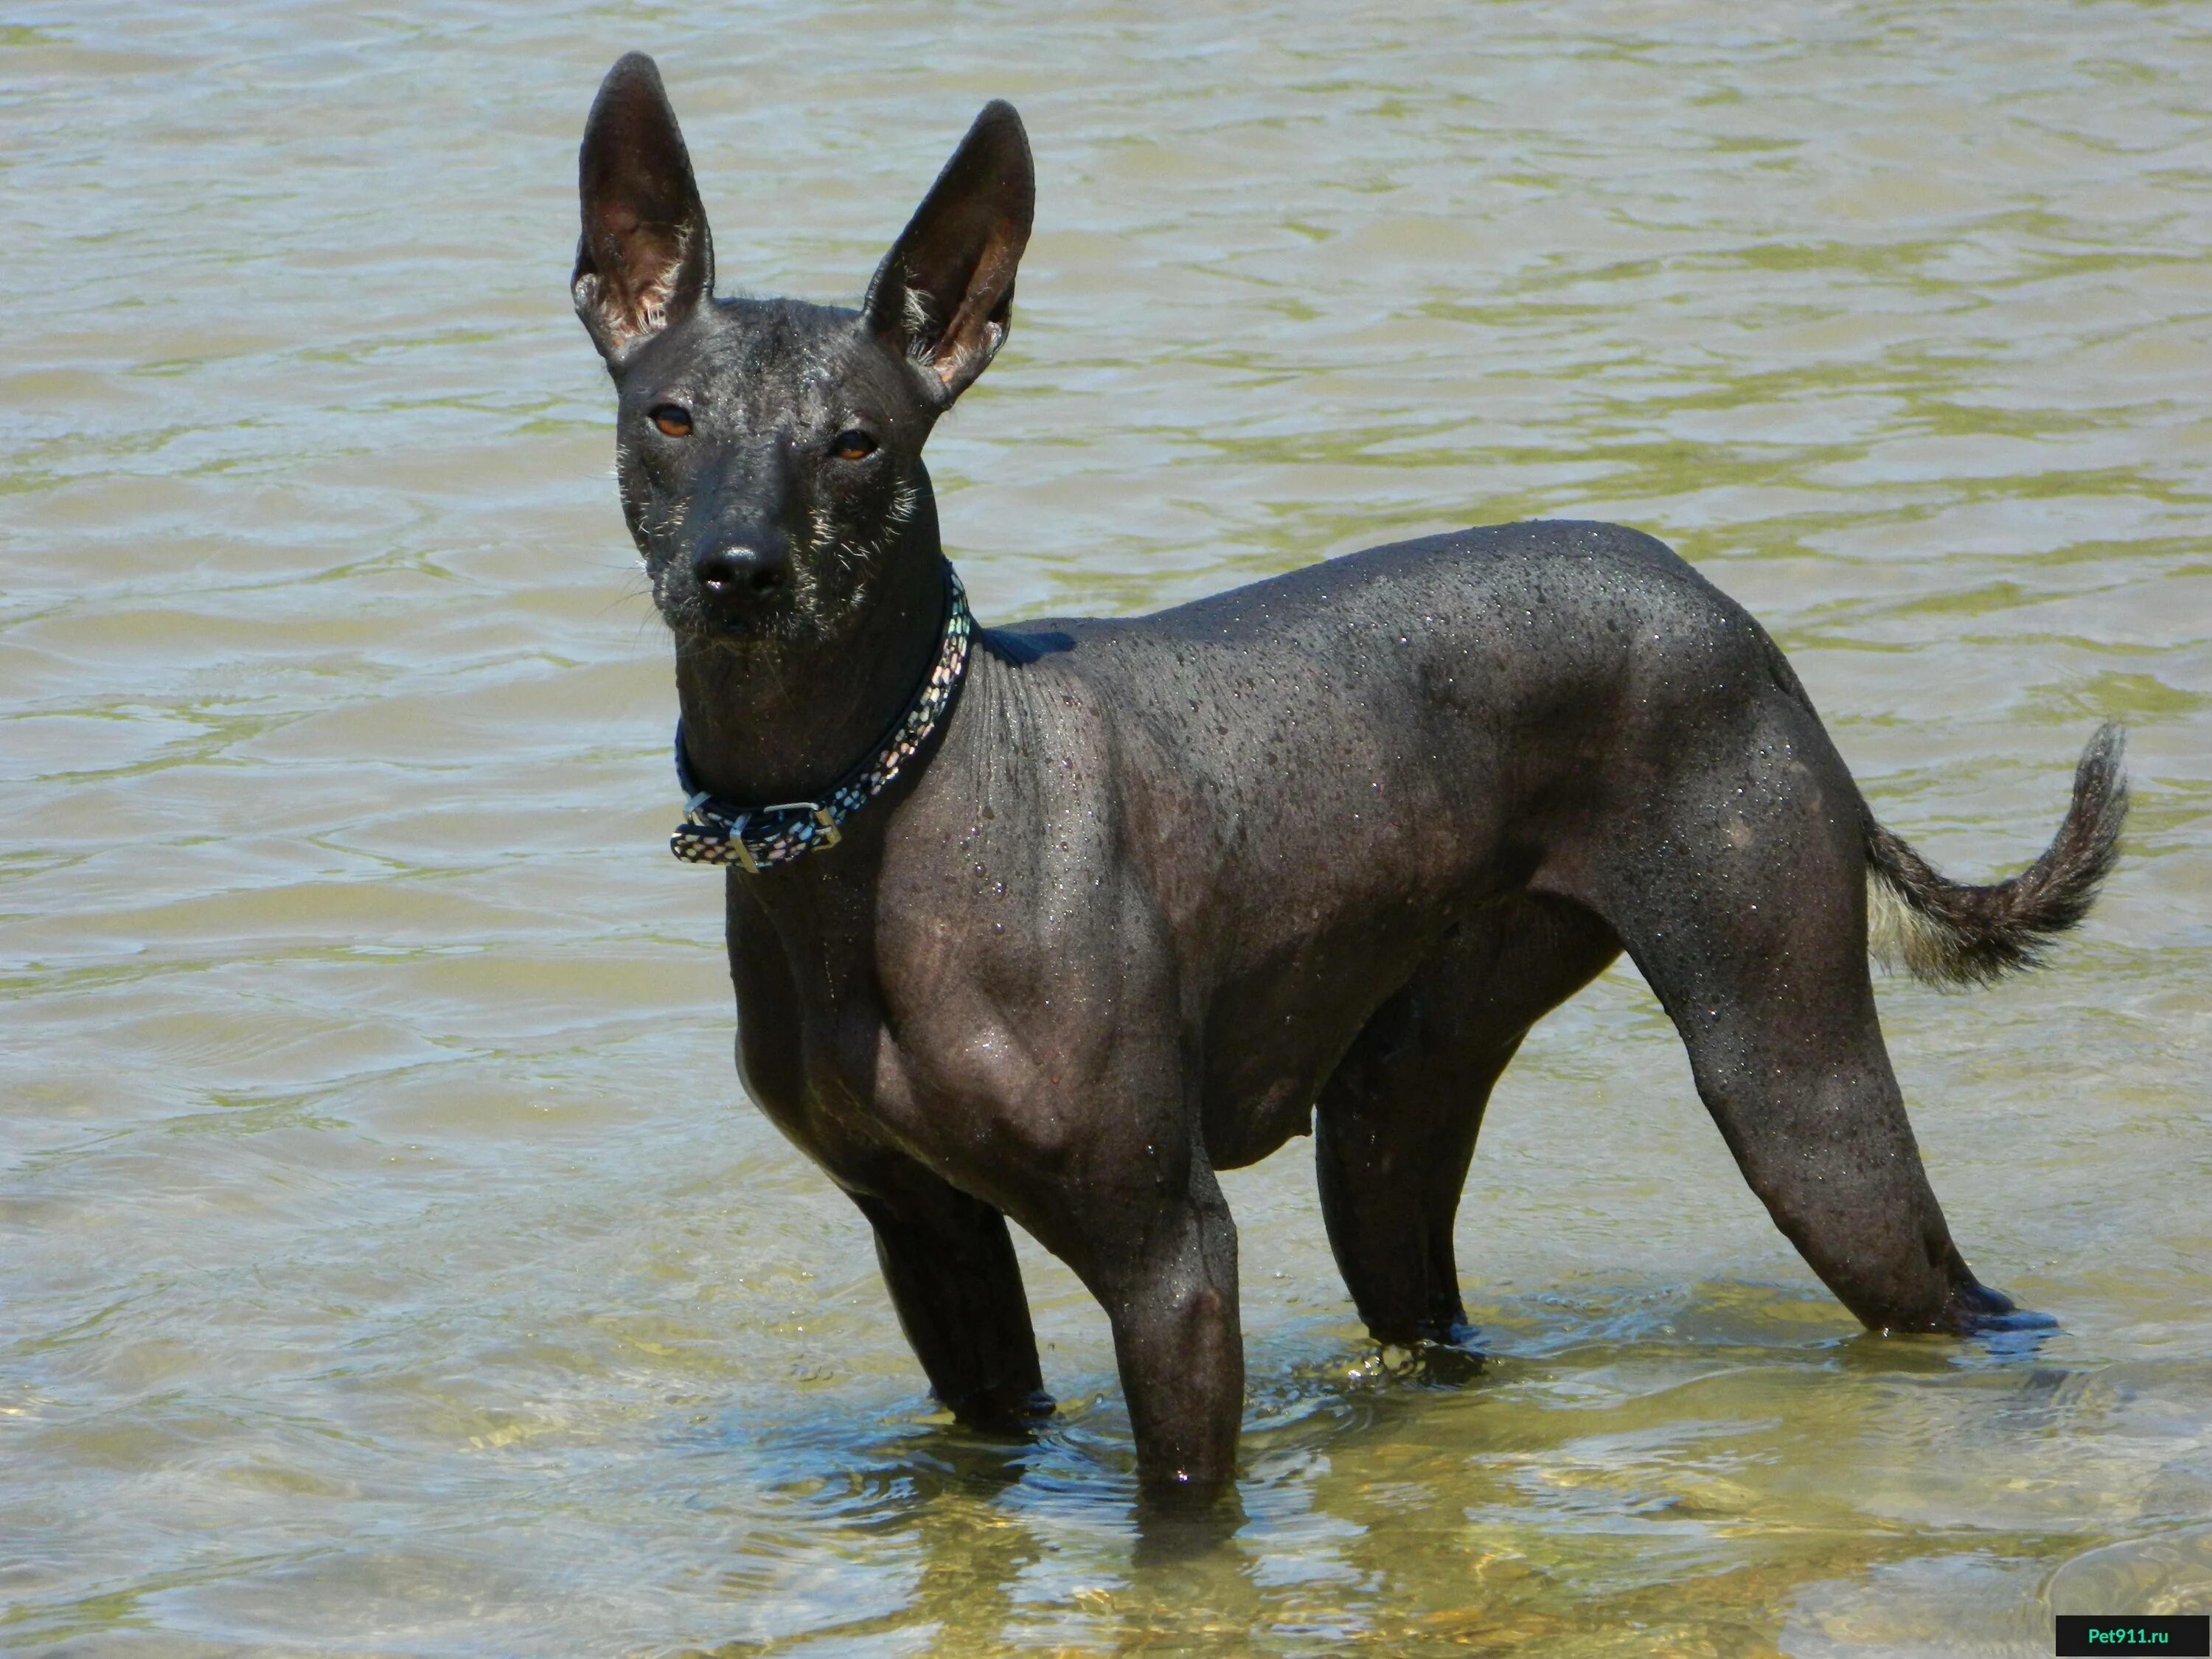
(944,295)
(645,258)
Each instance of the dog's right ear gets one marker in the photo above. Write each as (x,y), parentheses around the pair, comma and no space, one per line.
(644,259)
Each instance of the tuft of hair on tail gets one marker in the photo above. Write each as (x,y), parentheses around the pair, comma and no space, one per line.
(1950,932)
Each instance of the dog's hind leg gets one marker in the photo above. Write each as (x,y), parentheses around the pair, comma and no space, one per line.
(1742,896)
(957,1285)
(1395,1124)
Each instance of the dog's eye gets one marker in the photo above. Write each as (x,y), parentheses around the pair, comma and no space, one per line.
(854,445)
(672,419)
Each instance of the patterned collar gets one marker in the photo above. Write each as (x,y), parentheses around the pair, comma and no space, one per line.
(716,831)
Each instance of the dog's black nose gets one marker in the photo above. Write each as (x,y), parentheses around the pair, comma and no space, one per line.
(739,571)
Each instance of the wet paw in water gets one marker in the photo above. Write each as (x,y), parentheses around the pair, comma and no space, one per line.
(1448,1365)
(2012,1319)
(1991,1321)
(2011,1334)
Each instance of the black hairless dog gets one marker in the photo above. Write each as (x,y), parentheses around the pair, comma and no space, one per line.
(1054,922)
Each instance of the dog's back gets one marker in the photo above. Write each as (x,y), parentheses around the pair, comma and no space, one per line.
(1450,712)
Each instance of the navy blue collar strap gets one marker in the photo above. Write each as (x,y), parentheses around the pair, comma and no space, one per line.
(716,831)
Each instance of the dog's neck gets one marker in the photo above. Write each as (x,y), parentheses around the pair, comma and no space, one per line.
(773,721)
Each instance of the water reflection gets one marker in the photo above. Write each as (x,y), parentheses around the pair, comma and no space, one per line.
(1382,1508)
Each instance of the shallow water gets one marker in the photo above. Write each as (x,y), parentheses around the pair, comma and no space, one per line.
(389,1262)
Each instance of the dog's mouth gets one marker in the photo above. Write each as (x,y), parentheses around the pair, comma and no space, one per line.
(697,614)
(748,612)
(700,620)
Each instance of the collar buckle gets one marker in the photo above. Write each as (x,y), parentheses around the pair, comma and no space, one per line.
(827,833)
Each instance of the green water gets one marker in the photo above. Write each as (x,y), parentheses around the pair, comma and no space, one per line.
(389,1261)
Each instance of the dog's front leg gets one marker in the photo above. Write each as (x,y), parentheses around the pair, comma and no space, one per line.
(1180,1343)
(1158,1249)
(953,1277)
(1053,1075)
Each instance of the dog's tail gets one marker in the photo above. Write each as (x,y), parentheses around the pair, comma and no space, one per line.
(1947,932)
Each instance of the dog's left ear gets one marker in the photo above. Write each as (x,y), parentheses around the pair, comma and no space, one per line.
(644,259)
(943,297)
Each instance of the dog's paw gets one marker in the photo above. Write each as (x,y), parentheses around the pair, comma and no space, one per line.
(2012,1319)
(1434,1363)
(1994,1324)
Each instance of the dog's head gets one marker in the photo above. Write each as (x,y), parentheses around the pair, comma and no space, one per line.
(769,451)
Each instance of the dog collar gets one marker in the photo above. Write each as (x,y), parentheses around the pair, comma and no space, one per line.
(716,831)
